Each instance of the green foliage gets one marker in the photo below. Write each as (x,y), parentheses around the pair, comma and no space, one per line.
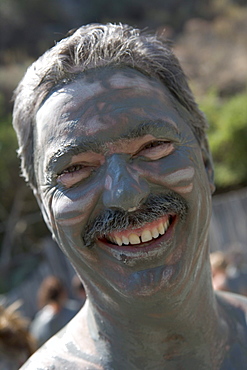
(8,146)
(228,138)
(9,164)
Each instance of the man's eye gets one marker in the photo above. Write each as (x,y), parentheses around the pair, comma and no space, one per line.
(74,174)
(74,168)
(156,149)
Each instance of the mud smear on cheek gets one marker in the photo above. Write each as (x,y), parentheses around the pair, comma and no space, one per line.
(69,216)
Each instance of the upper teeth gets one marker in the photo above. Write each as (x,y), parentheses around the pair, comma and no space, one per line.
(139,237)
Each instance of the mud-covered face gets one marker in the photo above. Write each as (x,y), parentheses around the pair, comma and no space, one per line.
(123,183)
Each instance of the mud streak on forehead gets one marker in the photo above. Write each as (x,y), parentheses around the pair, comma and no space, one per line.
(91,97)
(111,94)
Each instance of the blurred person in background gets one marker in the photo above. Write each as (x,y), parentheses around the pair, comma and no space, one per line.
(53,312)
(229,271)
(16,342)
(237,271)
(219,270)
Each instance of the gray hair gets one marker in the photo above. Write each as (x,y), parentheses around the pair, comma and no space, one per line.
(95,46)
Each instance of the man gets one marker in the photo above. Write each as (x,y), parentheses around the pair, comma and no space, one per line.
(114,147)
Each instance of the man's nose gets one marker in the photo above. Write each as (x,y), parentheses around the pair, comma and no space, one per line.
(124,188)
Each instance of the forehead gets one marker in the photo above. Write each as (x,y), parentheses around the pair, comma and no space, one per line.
(99,84)
(100,94)
(103,106)
(101,81)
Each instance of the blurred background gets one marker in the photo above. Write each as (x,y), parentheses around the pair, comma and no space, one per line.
(210,40)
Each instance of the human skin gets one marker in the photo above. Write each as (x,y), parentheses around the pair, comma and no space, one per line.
(116,164)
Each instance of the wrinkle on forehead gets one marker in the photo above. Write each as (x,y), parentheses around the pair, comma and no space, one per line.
(106,106)
(121,80)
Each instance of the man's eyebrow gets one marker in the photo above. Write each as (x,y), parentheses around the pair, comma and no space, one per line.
(83,144)
(71,149)
(150,127)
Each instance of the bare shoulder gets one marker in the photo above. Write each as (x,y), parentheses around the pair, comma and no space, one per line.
(52,355)
(63,352)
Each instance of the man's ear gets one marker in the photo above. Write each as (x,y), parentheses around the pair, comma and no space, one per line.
(208,163)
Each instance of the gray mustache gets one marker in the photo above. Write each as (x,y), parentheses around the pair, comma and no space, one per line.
(115,220)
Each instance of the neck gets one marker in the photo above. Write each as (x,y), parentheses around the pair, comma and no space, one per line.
(171,331)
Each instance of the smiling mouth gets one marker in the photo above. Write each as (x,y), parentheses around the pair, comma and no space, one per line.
(140,236)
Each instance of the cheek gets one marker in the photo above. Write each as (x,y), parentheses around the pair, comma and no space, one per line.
(175,172)
(69,213)
(70,210)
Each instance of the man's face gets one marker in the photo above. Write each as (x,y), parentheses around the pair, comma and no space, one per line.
(123,183)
